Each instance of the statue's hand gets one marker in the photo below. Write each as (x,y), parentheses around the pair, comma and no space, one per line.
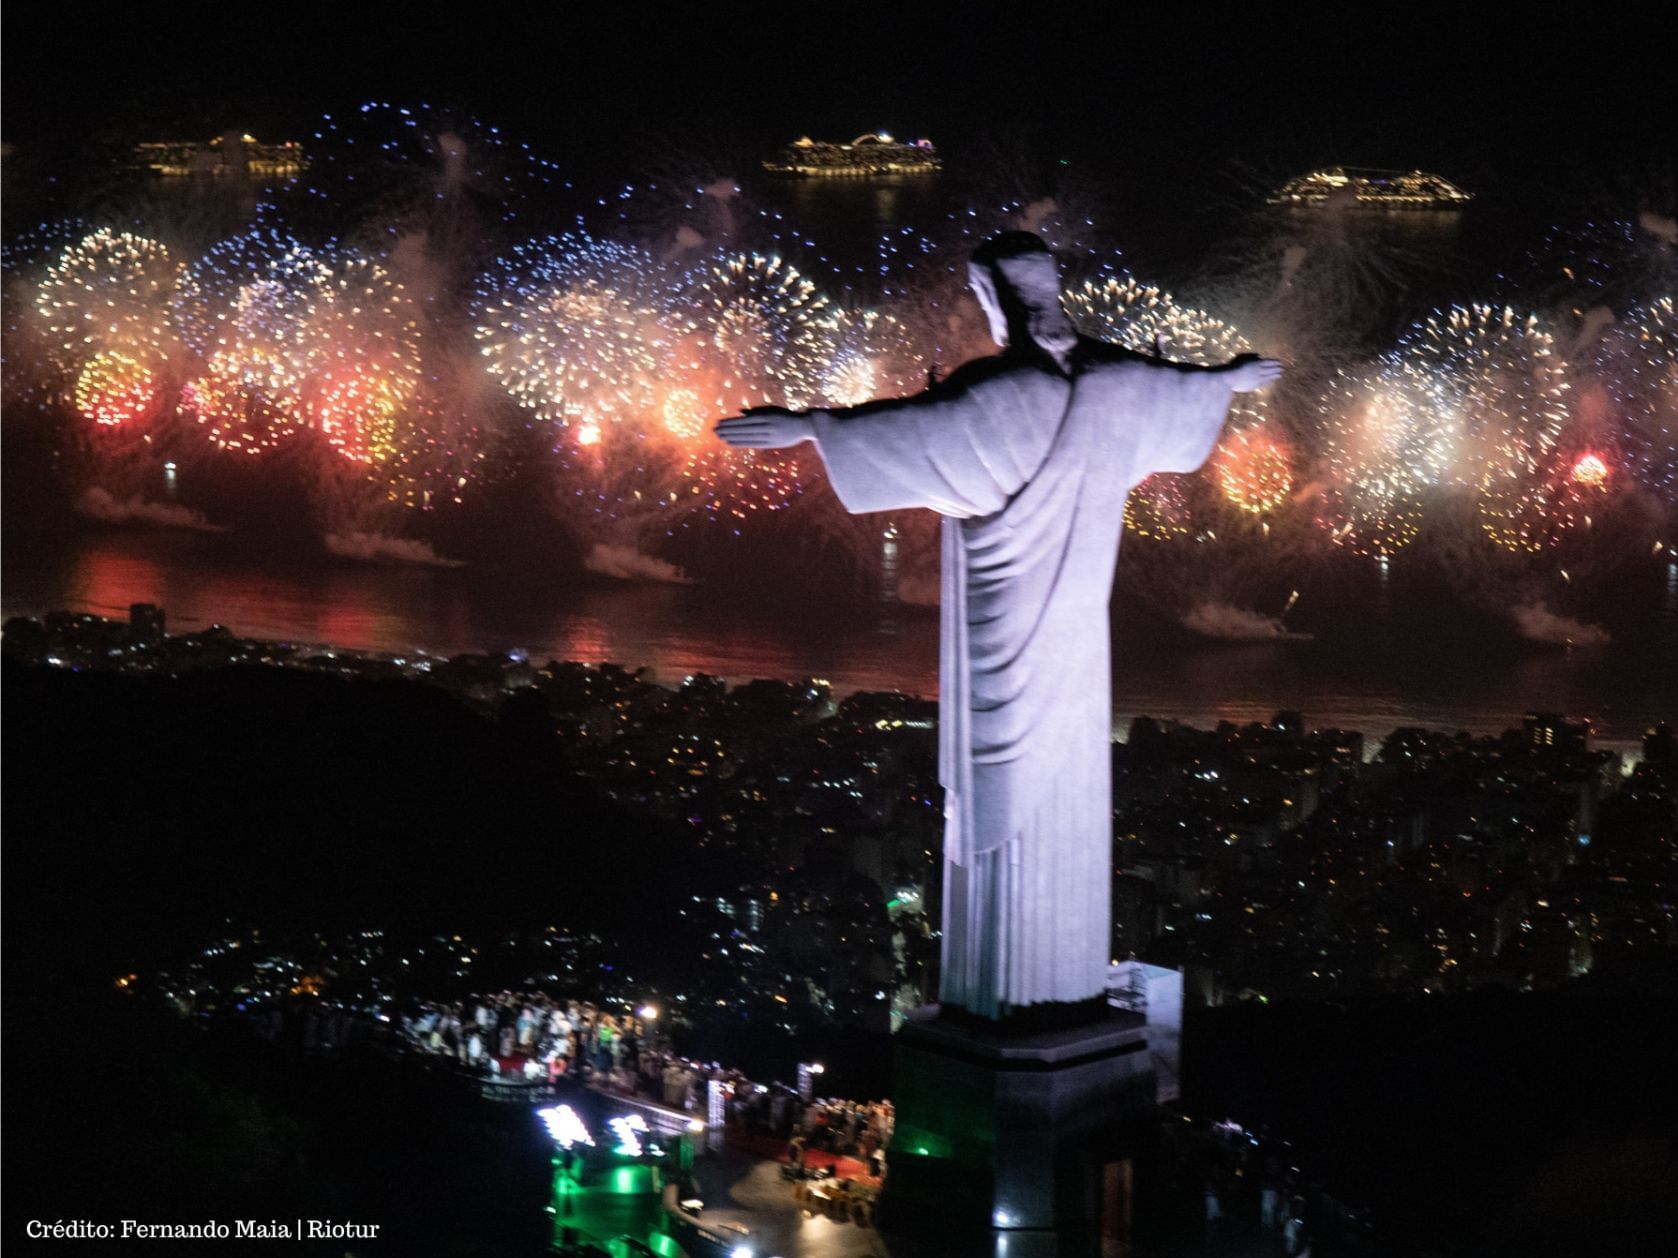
(766,428)
(1249,374)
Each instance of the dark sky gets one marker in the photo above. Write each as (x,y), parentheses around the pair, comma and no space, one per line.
(1363,83)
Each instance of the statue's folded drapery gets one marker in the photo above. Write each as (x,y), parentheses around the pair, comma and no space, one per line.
(1030,466)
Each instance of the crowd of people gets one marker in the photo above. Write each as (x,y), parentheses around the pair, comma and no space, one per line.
(854,1129)
(536,1038)
(531,1036)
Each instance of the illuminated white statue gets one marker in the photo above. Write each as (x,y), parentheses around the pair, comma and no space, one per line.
(1028,455)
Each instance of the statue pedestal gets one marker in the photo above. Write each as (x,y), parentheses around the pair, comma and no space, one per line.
(1015,1132)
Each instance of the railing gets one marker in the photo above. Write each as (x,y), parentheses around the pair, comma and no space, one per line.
(515,1091)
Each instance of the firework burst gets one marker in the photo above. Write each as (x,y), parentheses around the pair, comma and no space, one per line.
(766,333)
(1638,363)
(109,294)
(356,354)
(876,356)
(571,328)
(1253,469)
(1493,388)
(1158,508)
(1148,320)
(115,389)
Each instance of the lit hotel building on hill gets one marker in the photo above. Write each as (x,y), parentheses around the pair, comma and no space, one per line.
(864,157)
(1357,187)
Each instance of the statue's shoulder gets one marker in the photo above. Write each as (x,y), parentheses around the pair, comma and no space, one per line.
(984,375)
(973,372)
(1106,357)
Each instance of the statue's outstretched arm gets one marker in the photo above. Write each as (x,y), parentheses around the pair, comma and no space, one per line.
(766,428)
(1245,373)
(775,427)
(1187,418)
(1250,373)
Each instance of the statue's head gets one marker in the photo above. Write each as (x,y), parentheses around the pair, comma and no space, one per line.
(1014,274)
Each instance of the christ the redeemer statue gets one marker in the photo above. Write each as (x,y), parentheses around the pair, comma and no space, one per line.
(1028,455)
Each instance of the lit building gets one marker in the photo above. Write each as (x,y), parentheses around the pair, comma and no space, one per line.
(1546,729)
(864,157)
(1659,747)
(1359,187)
(145,622)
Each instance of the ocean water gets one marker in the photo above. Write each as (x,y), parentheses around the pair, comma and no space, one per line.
(1373,654)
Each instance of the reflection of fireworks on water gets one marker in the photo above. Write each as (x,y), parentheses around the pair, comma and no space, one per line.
(115,388)
(1638,362)
(1493,387)
(109,291)
(766,330)
(1149,320)
(570,327)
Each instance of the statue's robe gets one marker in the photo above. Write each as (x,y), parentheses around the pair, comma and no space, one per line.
(1030,467)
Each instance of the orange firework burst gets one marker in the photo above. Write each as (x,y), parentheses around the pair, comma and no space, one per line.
(1591,469)
(234,415)
(116,389)
(683,413)
(1254,471)
(355,409)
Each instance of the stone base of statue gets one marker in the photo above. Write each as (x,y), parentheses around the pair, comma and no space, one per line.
(1020,1131)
